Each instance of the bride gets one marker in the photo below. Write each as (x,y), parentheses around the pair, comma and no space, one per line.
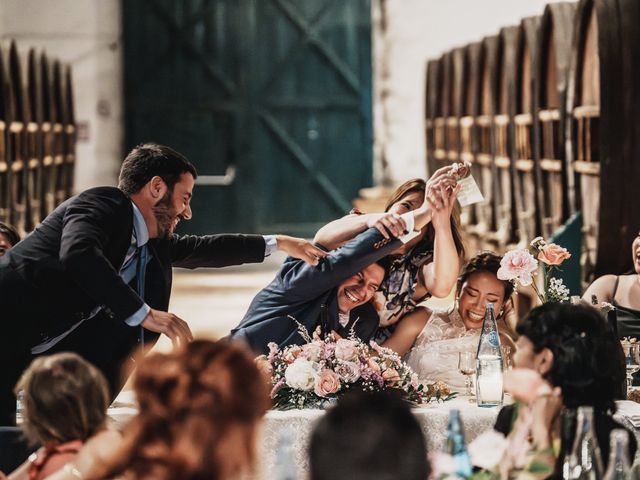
(430,340)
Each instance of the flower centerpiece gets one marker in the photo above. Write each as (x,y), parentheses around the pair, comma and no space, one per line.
(313,375)
(519,266)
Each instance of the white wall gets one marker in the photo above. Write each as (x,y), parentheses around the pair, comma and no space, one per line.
(419,30)
(85,34)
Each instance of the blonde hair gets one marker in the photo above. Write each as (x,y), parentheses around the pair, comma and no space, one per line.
(64,398)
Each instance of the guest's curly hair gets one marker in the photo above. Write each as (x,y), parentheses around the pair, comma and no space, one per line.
(199,409)
(484,262)
(588,362)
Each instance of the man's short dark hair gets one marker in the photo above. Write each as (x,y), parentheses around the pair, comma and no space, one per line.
(372,436)
(10,232)
(148,160)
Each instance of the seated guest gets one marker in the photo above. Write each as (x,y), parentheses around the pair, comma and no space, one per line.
(623,292)
(571,348)
(421,267)
(345,280)
(372,436)
(9,236)
(430,340)
(64,401)
(200,408)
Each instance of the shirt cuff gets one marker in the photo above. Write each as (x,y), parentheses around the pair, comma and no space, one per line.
(270,245)
(410,223)
(137,318)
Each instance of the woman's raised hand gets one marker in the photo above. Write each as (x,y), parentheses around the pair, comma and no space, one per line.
(388,224)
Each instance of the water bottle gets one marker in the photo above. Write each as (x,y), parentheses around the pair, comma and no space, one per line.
(568,419)
(585,462)
(456,446)
(618,468)
(285,466)
(489,377)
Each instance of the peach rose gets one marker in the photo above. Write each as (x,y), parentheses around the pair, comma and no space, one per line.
(373,365)
(293,353)
(327,382)
(553,254)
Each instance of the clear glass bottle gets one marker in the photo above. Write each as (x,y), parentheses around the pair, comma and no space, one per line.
(456,446)
(585,462)
(489,374)
(618,468)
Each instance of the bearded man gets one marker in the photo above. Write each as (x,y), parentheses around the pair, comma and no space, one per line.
(95,277)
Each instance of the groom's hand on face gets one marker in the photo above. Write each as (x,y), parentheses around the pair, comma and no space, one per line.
(171,325)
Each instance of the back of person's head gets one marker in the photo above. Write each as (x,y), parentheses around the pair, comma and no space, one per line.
(149,160)
(199,410)
(372,436)
(64,398)
(588,363)
(10,233)
(484,262)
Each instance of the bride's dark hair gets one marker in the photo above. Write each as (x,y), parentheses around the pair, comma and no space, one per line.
(484,262)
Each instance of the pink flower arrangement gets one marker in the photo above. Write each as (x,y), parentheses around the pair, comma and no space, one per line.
(312,375)
(519,267)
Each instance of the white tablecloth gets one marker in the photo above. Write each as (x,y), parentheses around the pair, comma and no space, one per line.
(298,425)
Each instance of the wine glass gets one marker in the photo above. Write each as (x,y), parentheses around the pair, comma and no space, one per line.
(467,367)
(631,357)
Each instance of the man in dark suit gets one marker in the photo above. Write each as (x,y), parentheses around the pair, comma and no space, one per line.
(345,281)
(95,276)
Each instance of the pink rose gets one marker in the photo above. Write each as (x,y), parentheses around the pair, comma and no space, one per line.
(348,371)
(518,265)
(312,351)
(373,365)
(391,375)
(553,254)
(346,350)
(327,382)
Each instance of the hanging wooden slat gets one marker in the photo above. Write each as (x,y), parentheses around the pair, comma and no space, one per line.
(49,169)
(69,133)
(58,133)
(443,105)
(458,79)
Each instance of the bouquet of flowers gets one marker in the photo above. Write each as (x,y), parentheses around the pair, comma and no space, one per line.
(519,266)
(313,375)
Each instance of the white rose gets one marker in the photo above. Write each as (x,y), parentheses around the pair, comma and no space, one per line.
(312,351)
(346,350)
(301,374)
(487,449)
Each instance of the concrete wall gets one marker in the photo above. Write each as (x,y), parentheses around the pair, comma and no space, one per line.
(85,34)
(416,31)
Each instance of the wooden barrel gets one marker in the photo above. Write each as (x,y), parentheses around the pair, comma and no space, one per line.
(16,144)
(487,221)
(442,111)
(5,172)
(554,54)
(34,142)
(604,105)
(431,111)
(468,133)
(526,132)
(456,101)
(69,133)
(58,133)
(505,233)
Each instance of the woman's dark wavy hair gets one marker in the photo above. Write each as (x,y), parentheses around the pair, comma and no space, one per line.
(419,185)
(485,262)
(588,362)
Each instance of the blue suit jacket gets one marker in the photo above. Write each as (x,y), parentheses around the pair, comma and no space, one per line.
(300,289)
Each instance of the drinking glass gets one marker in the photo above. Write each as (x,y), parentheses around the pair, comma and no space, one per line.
(632,360)
(467,367)
(507,358)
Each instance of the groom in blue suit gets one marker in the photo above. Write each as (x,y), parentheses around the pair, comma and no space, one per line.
(345,280)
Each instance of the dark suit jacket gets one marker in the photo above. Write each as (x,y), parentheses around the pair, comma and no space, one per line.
(70,264)
(300,289)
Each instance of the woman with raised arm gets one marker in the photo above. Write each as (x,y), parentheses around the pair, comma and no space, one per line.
(425,266)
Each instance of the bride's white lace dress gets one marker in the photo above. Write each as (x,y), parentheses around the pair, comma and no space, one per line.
(434,355)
